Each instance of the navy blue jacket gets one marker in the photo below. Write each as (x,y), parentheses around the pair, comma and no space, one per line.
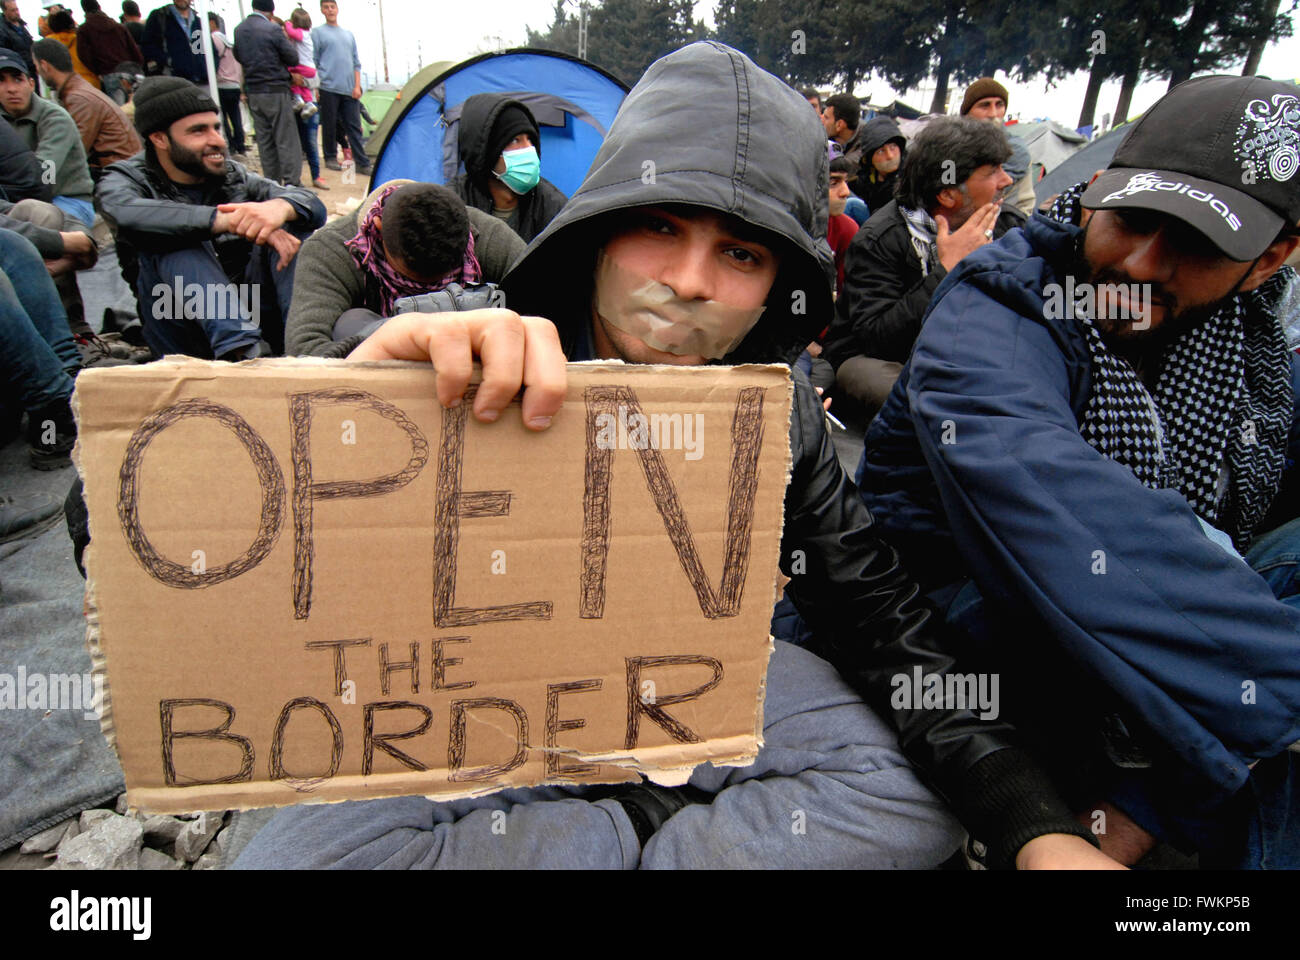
(266,54)
(1017,500)
(169,50)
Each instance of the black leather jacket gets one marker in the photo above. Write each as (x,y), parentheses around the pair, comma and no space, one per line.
(767,166)
(152,215)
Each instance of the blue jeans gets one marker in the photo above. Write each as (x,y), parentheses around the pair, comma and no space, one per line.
(37,352)
(826,755)
(229,315)
(307,134)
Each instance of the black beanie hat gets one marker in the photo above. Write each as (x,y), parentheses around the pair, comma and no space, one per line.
(511,121)
(266,6)
(161,101)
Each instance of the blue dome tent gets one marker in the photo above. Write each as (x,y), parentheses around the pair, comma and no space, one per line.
(574,102)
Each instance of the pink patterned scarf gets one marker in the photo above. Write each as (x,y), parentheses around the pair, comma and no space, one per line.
(368,251)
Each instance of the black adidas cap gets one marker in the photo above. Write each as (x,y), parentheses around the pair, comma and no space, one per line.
(1219,153)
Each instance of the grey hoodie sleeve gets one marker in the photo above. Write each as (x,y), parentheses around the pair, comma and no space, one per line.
(48,243)
(496,246)
(326,283)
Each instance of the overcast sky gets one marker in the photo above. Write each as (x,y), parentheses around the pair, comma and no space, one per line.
(424,31)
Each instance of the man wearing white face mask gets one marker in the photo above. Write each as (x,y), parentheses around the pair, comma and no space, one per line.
(501,150)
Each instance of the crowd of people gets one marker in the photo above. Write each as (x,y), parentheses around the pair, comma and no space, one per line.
(1095,502)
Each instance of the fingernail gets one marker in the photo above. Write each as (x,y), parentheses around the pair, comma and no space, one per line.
(454,403)
(540,422)
(487,416)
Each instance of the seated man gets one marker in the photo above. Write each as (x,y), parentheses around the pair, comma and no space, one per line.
(37,354)
(883,149)
(500,149)
(106,134)
(20,171)
(49,132)
(215,254)
(406,238)
(1100,419)
(948,204)
(727,243)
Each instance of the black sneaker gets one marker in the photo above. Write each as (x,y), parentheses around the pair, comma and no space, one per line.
(26,516)
(51,433)
(99,352)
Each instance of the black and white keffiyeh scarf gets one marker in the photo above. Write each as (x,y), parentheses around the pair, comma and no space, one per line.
(923,230)
(1215,426)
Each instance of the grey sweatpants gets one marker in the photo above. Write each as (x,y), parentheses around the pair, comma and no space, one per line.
(829,789)
(276,131)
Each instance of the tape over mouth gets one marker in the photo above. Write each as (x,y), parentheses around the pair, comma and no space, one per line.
(654,314)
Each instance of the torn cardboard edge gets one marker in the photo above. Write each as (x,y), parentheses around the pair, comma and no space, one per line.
(663,765)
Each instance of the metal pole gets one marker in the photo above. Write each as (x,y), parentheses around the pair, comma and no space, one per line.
(207,58)
(582,31)
(383,40)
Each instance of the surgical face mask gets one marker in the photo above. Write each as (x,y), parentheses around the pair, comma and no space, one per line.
(654,314)
(523,170)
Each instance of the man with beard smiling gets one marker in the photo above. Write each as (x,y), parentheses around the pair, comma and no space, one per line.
(201,222)
(1104,497)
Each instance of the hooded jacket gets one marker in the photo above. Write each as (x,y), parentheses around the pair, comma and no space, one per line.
(874,189)
(769,168)
(538,206)
(1019,502)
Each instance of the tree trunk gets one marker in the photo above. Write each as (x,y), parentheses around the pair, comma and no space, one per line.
(1190,40)
(1126,94)
(1257,45)
(1095,79)
(940,102)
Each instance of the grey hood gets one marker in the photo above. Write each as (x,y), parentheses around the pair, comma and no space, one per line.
(704,126)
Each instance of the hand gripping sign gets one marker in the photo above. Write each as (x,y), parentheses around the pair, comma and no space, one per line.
(309,582)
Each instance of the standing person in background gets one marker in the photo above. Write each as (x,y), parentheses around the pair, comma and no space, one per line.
(64,29)
(230,81)
(43,23)
(265,52)
(14,35)
(172,43)
(339,70)
(102,44)
(301,79)
(132,21)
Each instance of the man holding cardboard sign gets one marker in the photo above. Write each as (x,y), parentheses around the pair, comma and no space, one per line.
(687,267)
(703,267)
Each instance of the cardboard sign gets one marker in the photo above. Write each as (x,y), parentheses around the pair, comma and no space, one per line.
(309,582)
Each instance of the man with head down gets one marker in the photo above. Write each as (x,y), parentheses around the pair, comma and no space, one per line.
(720,256)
